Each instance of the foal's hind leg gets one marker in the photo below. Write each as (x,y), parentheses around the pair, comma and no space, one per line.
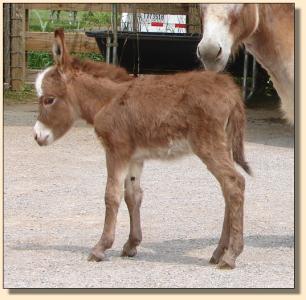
(234,195)
(232,184)
(220,164)
(133,198)
(224,239)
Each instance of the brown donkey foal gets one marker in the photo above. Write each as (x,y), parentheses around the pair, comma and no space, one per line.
(161,117)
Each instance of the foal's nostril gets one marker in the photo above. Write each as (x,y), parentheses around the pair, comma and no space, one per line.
(35,136)
(219,52)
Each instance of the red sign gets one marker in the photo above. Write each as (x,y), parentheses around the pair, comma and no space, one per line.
(180,25)
(157,24)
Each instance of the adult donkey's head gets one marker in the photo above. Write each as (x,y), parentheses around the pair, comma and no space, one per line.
(56,110)
(225,26)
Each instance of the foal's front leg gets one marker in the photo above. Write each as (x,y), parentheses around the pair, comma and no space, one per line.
(116,173)
(133,198)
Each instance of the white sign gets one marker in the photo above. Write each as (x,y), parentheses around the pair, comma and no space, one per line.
(154,23)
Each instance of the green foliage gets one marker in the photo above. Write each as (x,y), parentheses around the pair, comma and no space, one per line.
(42,20)
(42,60)
(269,89)
(263,88)
(93,19)
(26,93)
(91,56)
(39,60)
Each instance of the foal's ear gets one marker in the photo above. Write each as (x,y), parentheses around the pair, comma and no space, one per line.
(60,53)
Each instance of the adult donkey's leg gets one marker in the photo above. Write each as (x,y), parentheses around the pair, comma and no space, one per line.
(133,198)
(116,172)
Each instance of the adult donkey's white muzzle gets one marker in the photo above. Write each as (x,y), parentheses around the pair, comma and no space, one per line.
(43,134)
(212,55)
(209,51)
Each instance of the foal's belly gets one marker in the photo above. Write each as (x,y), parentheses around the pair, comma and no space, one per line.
(174,149)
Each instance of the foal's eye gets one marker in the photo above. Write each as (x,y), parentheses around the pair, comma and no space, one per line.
(49,101)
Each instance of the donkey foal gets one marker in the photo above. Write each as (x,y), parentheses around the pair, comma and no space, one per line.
(162,117)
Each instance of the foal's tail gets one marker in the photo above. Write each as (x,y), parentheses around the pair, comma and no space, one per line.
(235,128)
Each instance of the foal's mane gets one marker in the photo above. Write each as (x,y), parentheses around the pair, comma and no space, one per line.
(101,69)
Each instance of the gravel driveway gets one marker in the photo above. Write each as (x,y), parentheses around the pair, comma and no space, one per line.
(54,212)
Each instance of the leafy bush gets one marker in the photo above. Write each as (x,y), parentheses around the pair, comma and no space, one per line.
(41,20)
(91,56)
(26,93)
(42,60)
(39,60)
(93,19)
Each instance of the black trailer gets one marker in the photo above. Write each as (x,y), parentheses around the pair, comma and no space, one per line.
(152,53)
(162,53)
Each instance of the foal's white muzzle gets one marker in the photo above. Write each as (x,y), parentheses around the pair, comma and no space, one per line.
(43,134)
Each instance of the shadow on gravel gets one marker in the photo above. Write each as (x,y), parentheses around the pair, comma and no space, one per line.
(173,251)
(176,251)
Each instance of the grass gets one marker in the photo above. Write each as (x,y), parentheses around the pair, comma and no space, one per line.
(41,20)
(25,95)
(42,60)
(39,60)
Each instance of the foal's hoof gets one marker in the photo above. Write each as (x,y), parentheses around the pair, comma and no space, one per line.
(96,255)
(214,260)
(217,254)
(128,251)
(226,262)
(225,265)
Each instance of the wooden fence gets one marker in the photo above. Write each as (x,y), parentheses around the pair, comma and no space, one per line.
(19,39)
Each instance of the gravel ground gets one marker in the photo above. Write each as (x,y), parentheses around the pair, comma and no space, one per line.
(54,212)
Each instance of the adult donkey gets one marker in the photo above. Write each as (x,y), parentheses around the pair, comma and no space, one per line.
(161,117)
(266,30)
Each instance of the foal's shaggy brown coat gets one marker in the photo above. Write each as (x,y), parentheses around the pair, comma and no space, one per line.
(149,117)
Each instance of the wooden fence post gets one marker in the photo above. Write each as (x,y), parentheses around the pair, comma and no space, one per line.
(193,19)
(6,45)
(18,63)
